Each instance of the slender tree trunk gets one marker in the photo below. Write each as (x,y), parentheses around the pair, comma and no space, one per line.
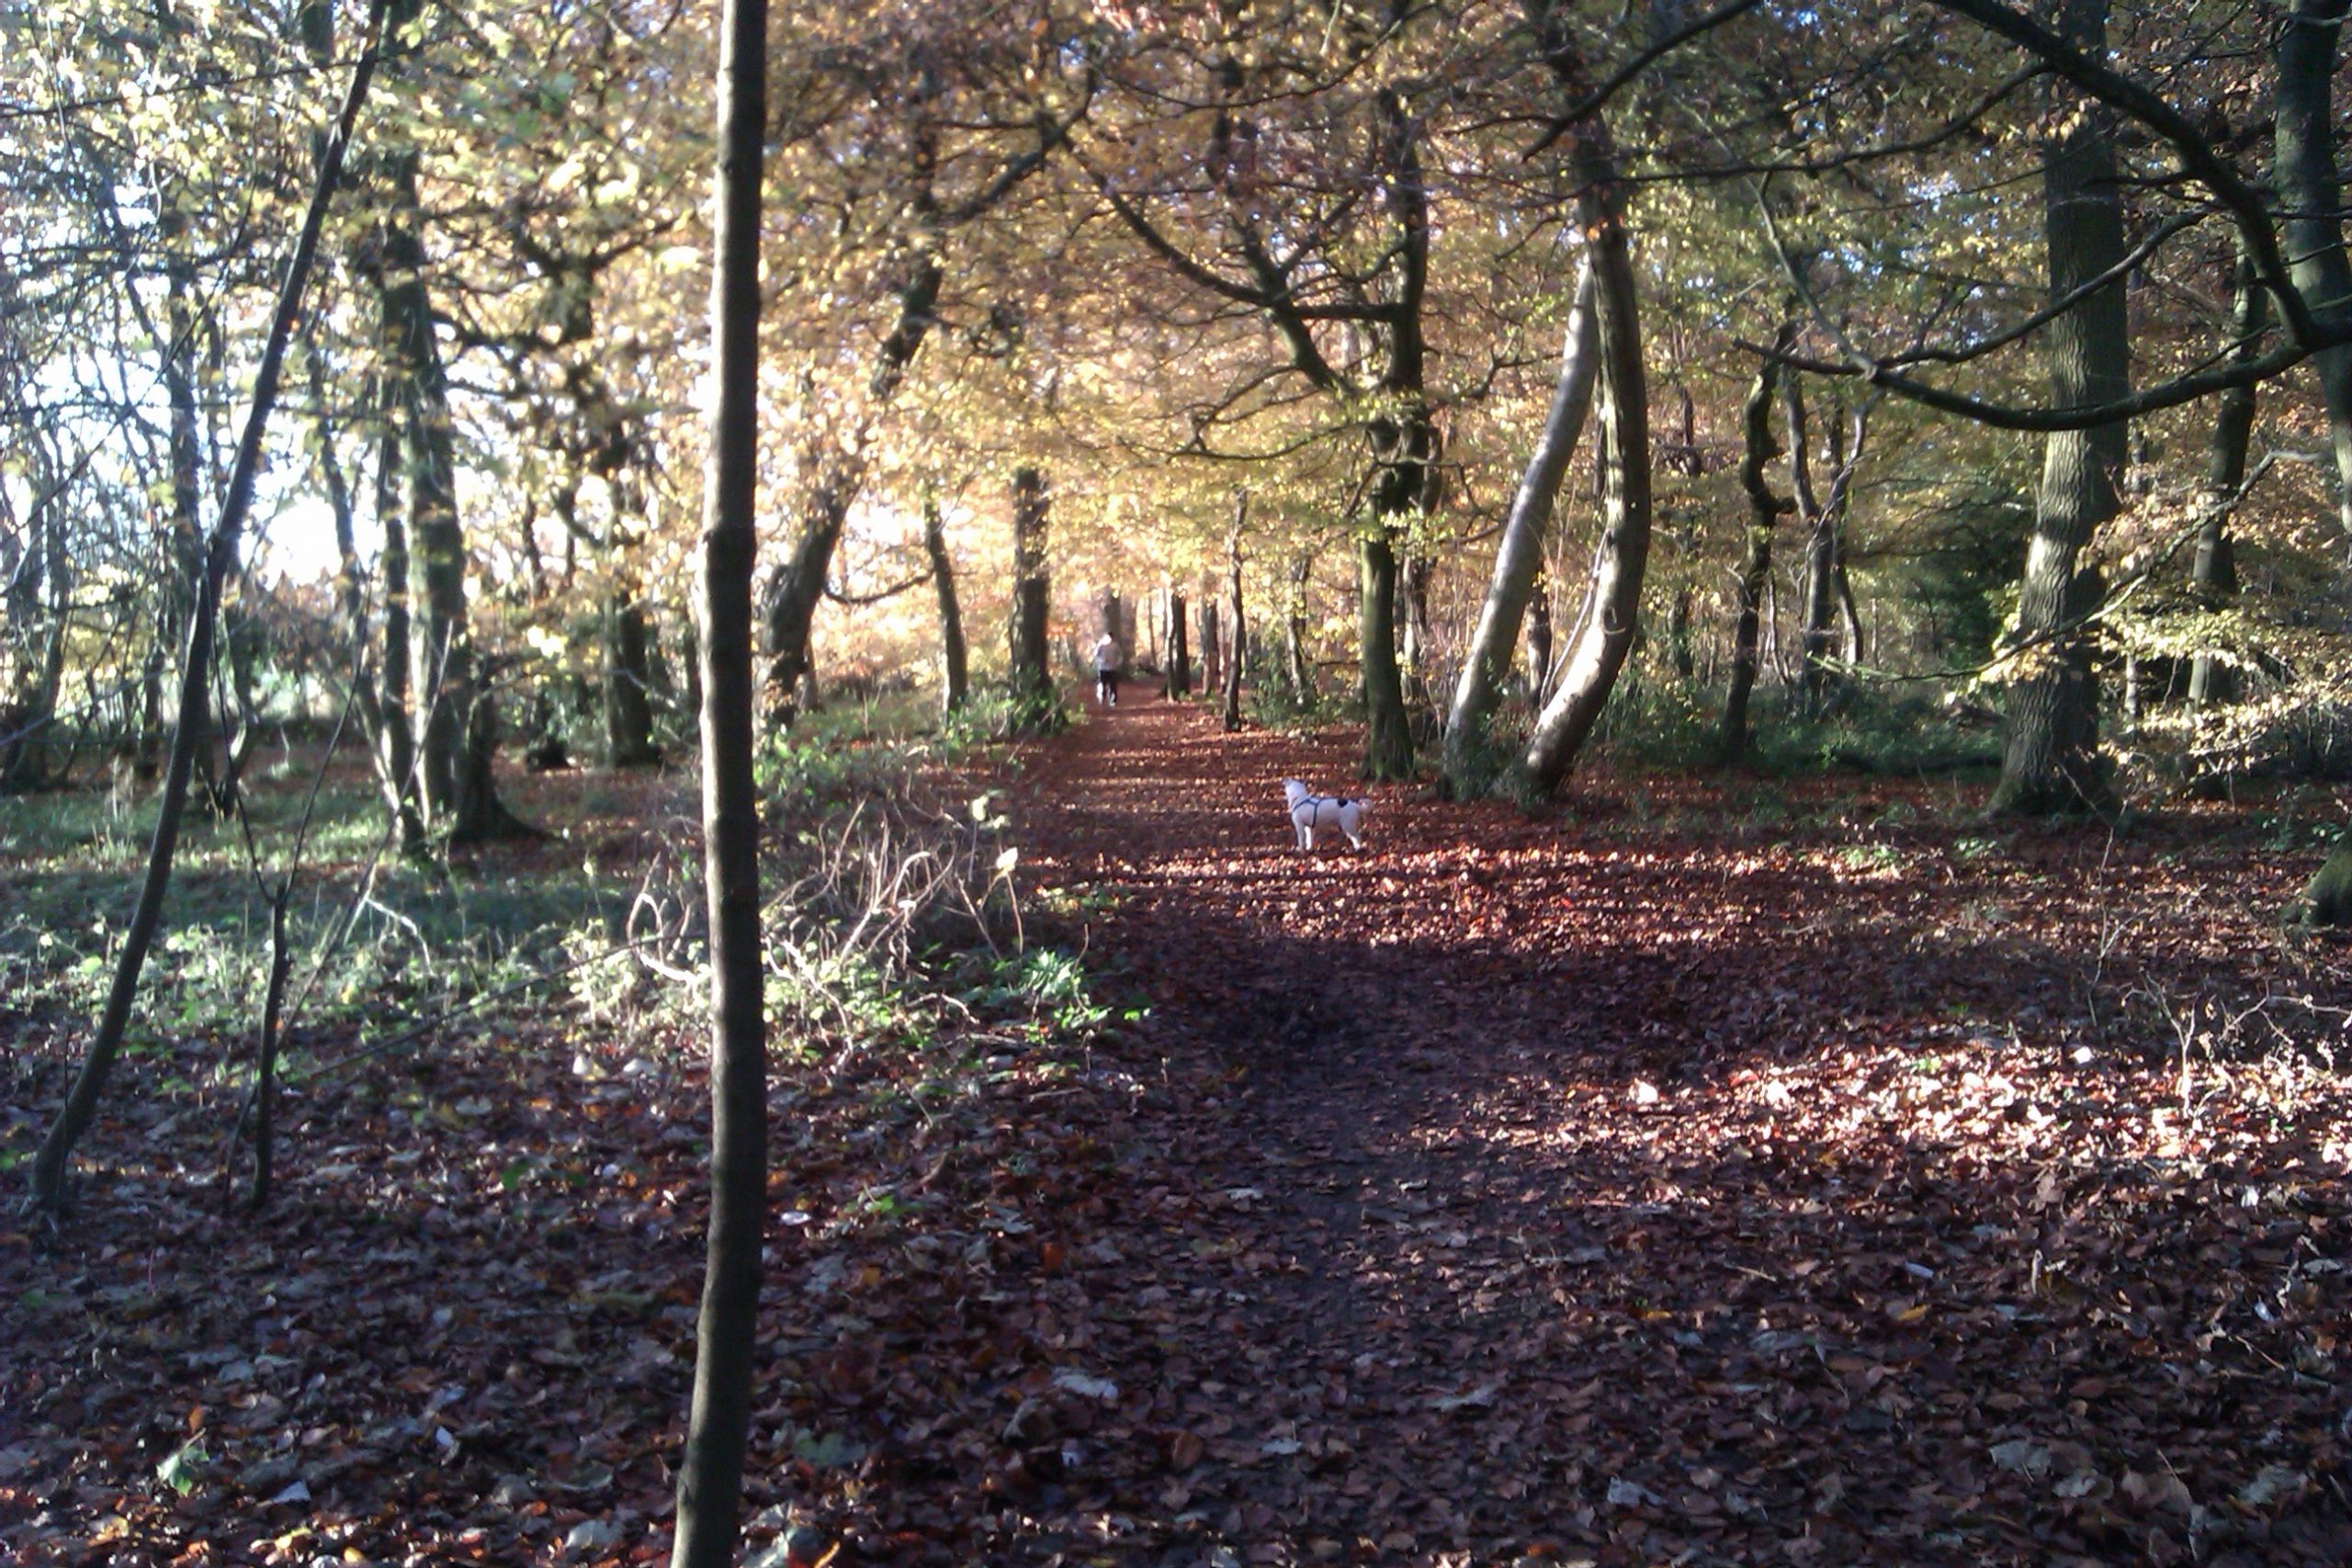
(1232,716)
(1180,657)
(710,1475)
(955,675)
(1518,557)
(1606,629)
(146,919)
(2214,574)
(1035,707)
(2051,763)
(1765,511)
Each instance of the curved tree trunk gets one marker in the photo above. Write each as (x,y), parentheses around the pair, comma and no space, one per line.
(1765,511)
(1606,629)
(1518,557)
(2051,763)
(799,585)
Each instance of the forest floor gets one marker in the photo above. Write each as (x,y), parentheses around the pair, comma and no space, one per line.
(1700,1172)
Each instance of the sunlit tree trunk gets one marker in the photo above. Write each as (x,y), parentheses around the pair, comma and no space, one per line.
(710,1475)
(1302,672)
(2051,763)
(1519,557)
(1606,627)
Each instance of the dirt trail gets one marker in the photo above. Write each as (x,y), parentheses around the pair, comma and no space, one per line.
(1535,1188)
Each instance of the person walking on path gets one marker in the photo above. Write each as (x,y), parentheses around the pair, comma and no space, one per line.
(1106,670)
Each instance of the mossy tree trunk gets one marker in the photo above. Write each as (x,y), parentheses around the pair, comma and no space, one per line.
(1765,511)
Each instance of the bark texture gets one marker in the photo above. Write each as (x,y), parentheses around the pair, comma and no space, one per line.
(710,1475)
(2051,761)
(1518,557)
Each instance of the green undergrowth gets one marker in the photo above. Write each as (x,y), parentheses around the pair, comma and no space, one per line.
(891,920)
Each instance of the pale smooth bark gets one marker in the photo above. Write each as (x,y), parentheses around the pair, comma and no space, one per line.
(1519,557)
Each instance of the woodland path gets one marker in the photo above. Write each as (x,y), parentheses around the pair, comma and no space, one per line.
(1527,1189)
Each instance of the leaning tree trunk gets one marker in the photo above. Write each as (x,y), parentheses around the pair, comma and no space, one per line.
(1035,709)
(1519,558)
(1180,657)
(955,668)
(1606,628)
(1232,716)
(799,585)
(220,553)
(727,1352)
(2051,763)
(2214,574)
(1765,511)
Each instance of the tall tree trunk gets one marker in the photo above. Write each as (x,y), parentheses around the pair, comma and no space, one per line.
(2052,763)
(459,799)
(1180,657)
(954,674)
(710,1475)
(1036,708)
(1519,557)
(2214,574)
(220,553)
(1765,511)
(1232,715)
(1606,628)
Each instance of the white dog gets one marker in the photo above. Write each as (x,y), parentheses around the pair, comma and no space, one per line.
(1309,811)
